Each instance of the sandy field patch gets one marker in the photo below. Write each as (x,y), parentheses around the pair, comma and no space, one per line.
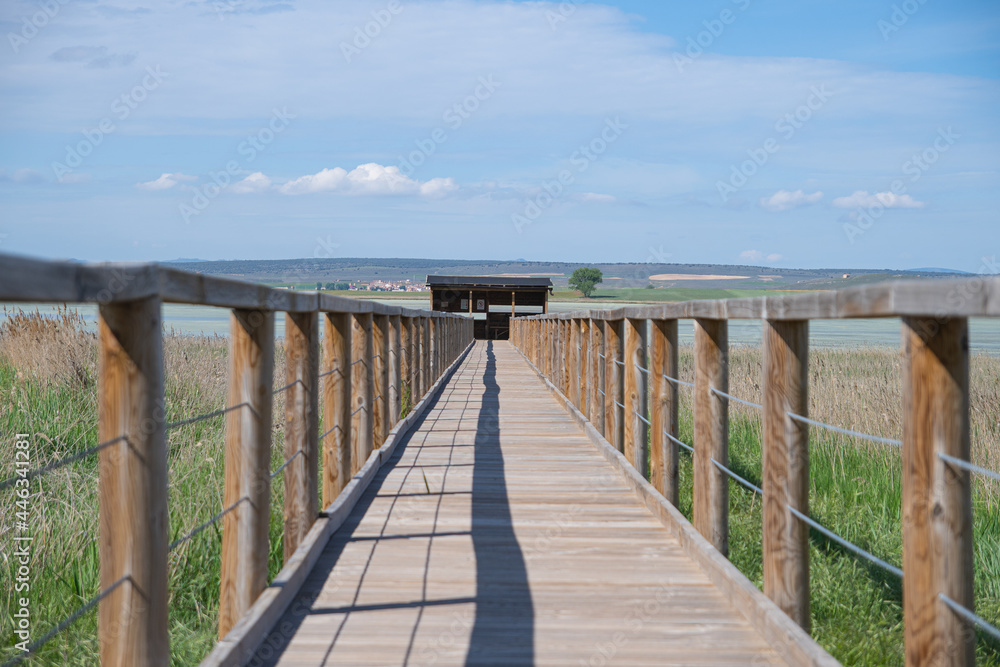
(694,276)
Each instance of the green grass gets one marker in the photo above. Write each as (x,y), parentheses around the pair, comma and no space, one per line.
(65,566)
(856,607)
(656,295)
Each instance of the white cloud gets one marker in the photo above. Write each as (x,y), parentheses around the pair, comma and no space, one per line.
(597,198)
(255,182)
(165,181)
(758,256)
(783,200)
(861,199)
(368,179)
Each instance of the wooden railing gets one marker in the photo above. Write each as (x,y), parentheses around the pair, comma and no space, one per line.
(370,351)
(619,368)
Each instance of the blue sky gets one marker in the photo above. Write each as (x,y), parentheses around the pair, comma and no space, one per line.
(777,133)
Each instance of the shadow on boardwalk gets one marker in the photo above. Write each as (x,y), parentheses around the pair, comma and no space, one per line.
(503,629)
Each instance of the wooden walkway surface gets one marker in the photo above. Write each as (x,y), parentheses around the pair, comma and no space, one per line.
(501,536)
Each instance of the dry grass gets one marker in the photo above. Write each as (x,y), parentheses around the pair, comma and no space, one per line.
(49,349)
(861,389)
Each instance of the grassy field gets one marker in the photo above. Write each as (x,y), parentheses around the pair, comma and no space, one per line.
(48,388)
(855,491)
(638,294)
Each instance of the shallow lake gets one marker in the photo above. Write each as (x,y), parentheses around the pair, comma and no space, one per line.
(984,332)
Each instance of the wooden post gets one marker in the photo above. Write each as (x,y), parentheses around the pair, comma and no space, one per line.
(248,465)
(419,354)
(426,351)
(362,381)
(133,620)
(434,347)
(573,362)
(565,359)
(380,370)
(937,498)
(405,358)
(301,427)
(634,391)
(336,406)
(614,430)
(663,396)
(785,466)
(597,374)
(395,369)
(711,432)
(582,370)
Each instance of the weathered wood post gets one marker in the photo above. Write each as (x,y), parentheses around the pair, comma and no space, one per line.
(396,352)
(711,432)
(419,358)
(614,430)
(426,352)
(663,396)
(635,394)
(572,362)
(785,466)
(597,374)
(248,461)
(133,619)
(362,381)
(405,358)
(937,497)
(380,369)
(301,475)
(583,367)
(337,397)
(434,347)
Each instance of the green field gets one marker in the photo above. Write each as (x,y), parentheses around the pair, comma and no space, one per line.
(638,294)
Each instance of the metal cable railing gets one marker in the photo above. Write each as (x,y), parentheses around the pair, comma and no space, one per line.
(837,429)
(187,536)
(971,467)
(733,398)
(285,464)
(753,487)
(678,382)
(55,465)
(69,620)
(679,442)
(971,617)
(888,567)
(207,415)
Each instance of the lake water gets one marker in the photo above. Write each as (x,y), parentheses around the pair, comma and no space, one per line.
(984,332)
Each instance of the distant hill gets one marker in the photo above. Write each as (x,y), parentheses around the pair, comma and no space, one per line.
(935,270)
(722,276)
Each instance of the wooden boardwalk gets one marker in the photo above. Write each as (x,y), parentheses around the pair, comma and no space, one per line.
(500,535)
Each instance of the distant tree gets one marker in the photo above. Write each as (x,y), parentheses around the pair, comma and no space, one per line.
(342,286)
(319,286)
(584,279)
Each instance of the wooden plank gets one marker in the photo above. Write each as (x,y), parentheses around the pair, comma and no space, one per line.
(133,619)
(664,408)
(406,356)
(362,386)
(937,499)
(711,432)
(635,394)
(240,646)
(301,475)
(248,462)
(783,634)
(337,408)
(785,466)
